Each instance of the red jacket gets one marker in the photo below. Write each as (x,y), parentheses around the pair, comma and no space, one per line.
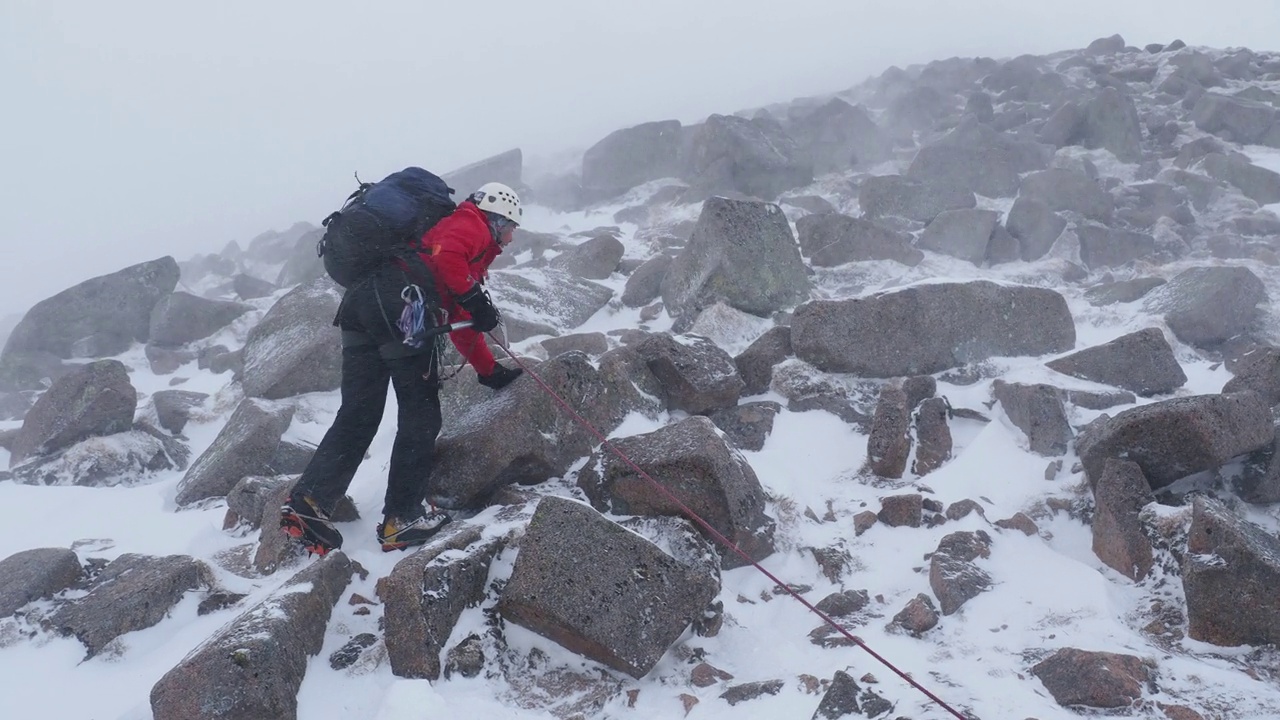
(459,250)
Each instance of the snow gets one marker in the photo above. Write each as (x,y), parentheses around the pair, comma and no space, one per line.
(1049,590)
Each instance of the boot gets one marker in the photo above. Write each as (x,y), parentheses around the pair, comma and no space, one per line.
(398,533)
(303,520)
(500,377)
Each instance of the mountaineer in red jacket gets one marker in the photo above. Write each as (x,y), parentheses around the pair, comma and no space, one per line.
(459,250)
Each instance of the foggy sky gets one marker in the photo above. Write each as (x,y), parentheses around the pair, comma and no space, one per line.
(133,129)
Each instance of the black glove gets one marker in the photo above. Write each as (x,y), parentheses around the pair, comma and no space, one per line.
(484,316)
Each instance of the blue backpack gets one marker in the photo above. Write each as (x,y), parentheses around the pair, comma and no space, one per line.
(382,221)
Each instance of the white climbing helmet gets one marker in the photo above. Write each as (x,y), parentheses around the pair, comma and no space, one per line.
(499,199)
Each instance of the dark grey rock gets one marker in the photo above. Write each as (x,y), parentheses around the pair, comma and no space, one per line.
(645,284)
(295,348)
(1172,439)
(122,458)
(692,459)
(1227,572)
(1257,183)
(609,614)
(1035,226)
(1142,362)
(742,254)
(630,157)
(933,434)
(181,318)
(909,198)
(962,234)
(747,425)
(1061,189)
(242,448)
(1259,371)
(754,157)
(173,407)
(506,167)
(1079,678)
(840,700)
(837,136)
(99,317)
(532,297)
(833,239)
(95,399)
(889,442)
(595,259)
(521,435)
(1104,247)
(929,328)
(755,364)
(696,375)
(592,344)
(1206,306)
(133,592)
(1233,118)
(1037,411)
(977,158)
(253,667)
(1111,122)
(953,576)
(1106,46)
(425,594)
(1118,540)
(248,287)
(1121,291)
(36,574)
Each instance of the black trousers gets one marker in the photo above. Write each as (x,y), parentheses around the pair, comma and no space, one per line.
(372,356)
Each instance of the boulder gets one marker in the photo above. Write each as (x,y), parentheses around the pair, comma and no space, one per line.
(1172,439)
(645,284)
(953,575)
(133,592)
(595,259)
(593,344)
(173,407)
(627,378)
(1062,189)
(545,300)
(248,287)
(426,592)
(295,348)
(1037,411)
(933,434)
(1232,118)
(523,436)
(837,136)
(1229,574)
(630,157)
(962,234)
(1111,122)
(506,167)
(1121,291)
(694,463)
(755,364)
(1257,183)
(103,461)
(979,159)
(99,317)
(1142,362)
(741,253)
(253,666)
(1106,46)
(889,442)
(754,157)
(181,318)
(36,574)
(625,613)
(1206,306)
(242,448)
(1080,678)
(1104,247)
(833,239)
(95,399)
(930,327)
(748,425)
(1035,226)
(696,375)
(1259,371)
(1118,540)
(910,198)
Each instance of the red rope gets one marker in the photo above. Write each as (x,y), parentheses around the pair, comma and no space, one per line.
(604,441)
